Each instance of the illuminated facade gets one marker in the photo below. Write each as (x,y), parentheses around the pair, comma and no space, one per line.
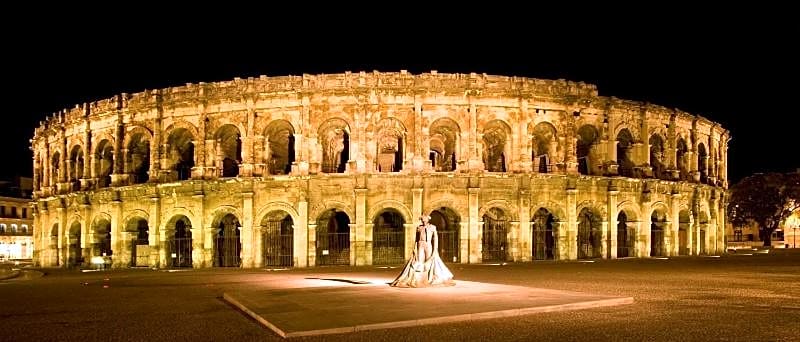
(16,228)
(334,169)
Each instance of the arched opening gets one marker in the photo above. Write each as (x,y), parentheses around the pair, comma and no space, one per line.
(140,244)
(657,156)
(180,153)
(229,147)
(139,158)
(104,163)
(703,227)
(74,255)
(495,235)
(545,235)
(589,234)
(76,166)
(279,149)
(684,224)
(388,238)
(448,226)
(333,238)
(702,162)
(227,244)
(625,152)
(102,237)
(588,138)
(55,167)
(626,235)
(658,226)
(444,137)
(390,139)
(543,143)
(179,241)
(334,136)
(495,146)
(278,234)
(682,160)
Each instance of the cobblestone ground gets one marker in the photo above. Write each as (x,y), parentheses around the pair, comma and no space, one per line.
(734,297)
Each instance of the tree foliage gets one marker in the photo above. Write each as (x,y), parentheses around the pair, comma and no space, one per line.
(767,199)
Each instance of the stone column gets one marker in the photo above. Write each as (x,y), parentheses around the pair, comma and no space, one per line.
(568,234)
(304,237)
(312,245)
(611,242)
(409,230)
(358,238)
(474,251)
(524,243)
(643,240)
(153,231)
(247,236)
(258,246)
(119,241)
(674,234)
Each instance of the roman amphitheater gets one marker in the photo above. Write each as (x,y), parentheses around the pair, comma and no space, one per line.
(311,170)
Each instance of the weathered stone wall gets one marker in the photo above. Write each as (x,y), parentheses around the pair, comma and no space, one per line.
(475,147)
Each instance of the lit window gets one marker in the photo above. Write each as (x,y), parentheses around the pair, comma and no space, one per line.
(24,228)
(13,227)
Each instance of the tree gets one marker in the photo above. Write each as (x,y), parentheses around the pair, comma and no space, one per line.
(766,199)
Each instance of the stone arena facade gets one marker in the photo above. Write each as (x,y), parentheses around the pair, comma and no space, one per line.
(310,170)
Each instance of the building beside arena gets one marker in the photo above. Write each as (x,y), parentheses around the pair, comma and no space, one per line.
(335,169)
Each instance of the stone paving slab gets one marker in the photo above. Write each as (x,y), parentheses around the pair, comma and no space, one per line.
(357,306)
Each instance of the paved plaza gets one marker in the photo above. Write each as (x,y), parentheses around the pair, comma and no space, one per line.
(742,296)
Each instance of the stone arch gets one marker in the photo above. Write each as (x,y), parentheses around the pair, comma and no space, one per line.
(445,202)
(215,125)
(134,214)
(55,167)
(657,158)
(227,240)
(588,139)
(334,137)
(137,143)
(73,241)
(659,225)
(444,144)
(508,208)
(175,212)
(661,206)
(597,208)
(401,208)
(277,228)
(77,162)
(182,124)
(221,211)
(544,234)
(589,221)
(497,146)
(228,140)
(101,229)
(544,142)
(556,209)
(178,231)
(685,221)
(681,159)
(625,152)
(333,231)
(279,146)
(279,206)
(388,236)
(137,130)
(632,130)
(391,142)
(494,242)
(631,210)
(104,155)
(180,152)
(328,205)
(702,162)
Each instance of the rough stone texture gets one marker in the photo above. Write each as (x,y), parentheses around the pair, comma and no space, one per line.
(170,172)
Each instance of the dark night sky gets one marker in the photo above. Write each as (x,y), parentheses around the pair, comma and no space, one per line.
(743,77)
